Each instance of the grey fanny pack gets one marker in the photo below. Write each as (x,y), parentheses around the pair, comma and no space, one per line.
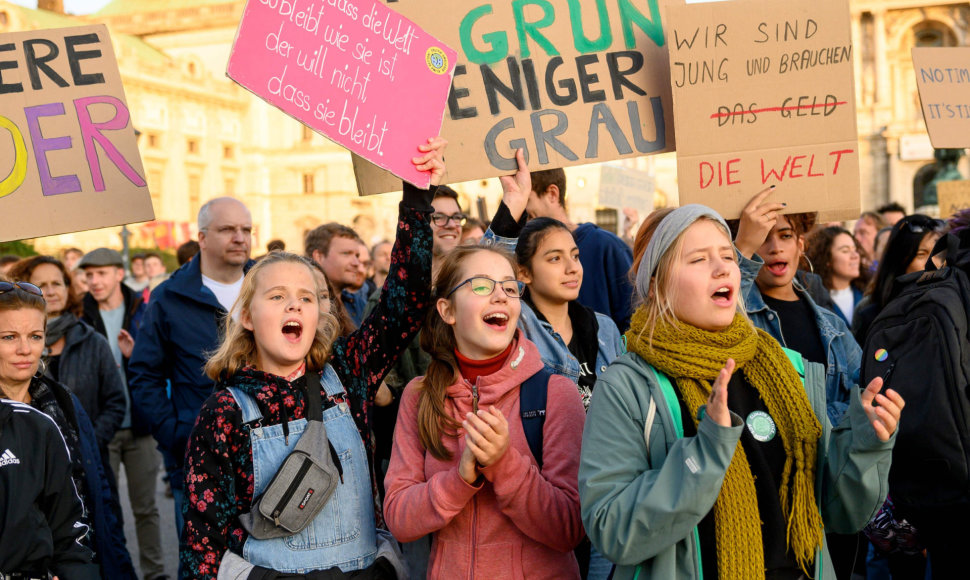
(305,481)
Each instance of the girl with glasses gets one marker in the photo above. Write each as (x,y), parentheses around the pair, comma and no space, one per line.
(462,468)
(707,450)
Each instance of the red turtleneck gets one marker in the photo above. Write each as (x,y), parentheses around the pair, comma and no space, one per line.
(472,369)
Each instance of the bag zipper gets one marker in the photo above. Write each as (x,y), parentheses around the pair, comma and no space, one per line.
(290,491)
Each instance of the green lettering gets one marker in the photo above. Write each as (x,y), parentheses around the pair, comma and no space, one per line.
(525,29)
(583,44)
(498,42)
(651,26)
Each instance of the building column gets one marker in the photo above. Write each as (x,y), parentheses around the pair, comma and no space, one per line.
(882,63)
(857,56)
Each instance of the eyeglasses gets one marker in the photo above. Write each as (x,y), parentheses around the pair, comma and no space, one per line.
(25,286)
(931,225)
(441,220)
(482,286)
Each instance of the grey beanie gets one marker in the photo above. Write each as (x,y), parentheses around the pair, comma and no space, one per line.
(670,227)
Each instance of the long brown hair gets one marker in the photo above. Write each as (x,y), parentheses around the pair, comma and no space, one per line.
(238,349)
(438,340)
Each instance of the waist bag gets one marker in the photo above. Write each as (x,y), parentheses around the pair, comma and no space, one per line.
(304,482)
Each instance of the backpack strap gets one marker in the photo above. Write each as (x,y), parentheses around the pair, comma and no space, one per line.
(533,394)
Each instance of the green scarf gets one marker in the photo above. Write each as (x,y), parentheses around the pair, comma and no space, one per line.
(693,358)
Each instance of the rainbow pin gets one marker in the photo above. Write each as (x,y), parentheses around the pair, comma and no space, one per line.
(882,354)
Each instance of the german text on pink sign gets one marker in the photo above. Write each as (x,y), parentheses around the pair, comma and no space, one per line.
(355,70)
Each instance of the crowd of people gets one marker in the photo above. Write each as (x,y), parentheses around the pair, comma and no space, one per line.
(526,397)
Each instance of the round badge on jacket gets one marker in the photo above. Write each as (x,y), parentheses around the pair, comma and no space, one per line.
(761,426)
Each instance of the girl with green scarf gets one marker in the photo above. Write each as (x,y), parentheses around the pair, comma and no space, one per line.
(707,450)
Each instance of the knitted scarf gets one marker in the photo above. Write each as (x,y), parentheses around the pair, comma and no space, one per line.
(693,358)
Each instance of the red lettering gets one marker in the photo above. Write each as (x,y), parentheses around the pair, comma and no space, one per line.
(703,165)
(796,164)
(731,171)
(838,158)
(780,176)
(810,164)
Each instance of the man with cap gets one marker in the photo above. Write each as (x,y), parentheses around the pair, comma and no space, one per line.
(115,310)
(182,325)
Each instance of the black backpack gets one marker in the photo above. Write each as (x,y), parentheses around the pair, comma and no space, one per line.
(920,345)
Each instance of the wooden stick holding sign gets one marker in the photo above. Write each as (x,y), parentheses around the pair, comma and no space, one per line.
(358,72)
(68,154)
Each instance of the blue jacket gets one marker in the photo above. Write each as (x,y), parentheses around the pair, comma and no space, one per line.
(606,263)
(182,324)
(844,357)
(555,353)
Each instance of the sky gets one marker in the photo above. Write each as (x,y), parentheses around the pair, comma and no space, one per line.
(70,6)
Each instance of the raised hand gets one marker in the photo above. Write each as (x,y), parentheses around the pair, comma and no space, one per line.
(487,434)
(883,410)
(433,159)
(757,219)
(717,408)
(126,343)
(516,188)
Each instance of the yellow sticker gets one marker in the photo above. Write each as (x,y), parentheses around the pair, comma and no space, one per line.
(437,60)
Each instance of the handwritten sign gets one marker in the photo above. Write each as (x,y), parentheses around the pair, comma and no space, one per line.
(764,95)
(943,80)
(355,70)
(953,196)
(68,155)
(572,82)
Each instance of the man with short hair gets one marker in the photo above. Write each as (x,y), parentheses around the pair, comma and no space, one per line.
(138,280)
(336,248)
(183,325)
(115,311)
(605,257)
(446,221)
(154,266)
(891,212)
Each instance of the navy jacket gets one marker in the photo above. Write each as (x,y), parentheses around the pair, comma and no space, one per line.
(182,325)
(606,263)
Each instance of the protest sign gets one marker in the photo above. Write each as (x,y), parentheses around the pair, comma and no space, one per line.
(953,196)
(943,80)
(68,154)
(622,187)
(356,71)
(572,82)
(764,95)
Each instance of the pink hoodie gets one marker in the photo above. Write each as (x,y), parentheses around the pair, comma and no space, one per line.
(519,523)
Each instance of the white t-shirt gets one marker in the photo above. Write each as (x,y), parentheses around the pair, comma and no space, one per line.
(845,301)
(226,294)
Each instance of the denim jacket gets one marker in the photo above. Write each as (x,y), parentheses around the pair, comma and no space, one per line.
(844,357)
(552,348)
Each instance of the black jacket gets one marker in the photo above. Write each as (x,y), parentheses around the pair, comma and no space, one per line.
(40,512)
(88,369)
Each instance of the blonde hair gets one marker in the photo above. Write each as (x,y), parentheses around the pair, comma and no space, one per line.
(239,349)
(659,304)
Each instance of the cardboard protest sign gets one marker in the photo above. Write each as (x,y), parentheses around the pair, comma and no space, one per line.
(68,155)
(764,95)
(943,80)
(572,82)
(358,72)
(622,187)
(953,196)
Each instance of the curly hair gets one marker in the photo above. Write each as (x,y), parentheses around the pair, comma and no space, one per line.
(23,270)
(818,249)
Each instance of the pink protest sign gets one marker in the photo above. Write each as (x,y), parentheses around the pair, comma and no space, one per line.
(354,70)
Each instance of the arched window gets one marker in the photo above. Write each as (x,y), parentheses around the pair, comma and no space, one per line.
(932,33)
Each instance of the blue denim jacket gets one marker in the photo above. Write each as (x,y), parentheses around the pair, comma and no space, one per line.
(842,351)
(552,348)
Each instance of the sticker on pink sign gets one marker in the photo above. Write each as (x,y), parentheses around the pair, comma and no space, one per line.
(358,72)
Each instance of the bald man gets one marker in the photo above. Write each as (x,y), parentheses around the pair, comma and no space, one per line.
(181,326)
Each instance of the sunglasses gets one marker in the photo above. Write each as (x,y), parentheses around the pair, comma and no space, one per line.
(482,286)
(25,286)
(932,225)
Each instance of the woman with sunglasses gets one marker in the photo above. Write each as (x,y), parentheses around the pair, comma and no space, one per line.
(44,527)
(461,468)
(908,249)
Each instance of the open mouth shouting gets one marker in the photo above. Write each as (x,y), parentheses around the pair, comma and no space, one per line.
(723,296)
(777,268)
(293,330)
(496,320)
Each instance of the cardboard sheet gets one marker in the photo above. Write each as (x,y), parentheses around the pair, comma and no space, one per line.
(69,159)
(943,80)
(764,95)
(573,82)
